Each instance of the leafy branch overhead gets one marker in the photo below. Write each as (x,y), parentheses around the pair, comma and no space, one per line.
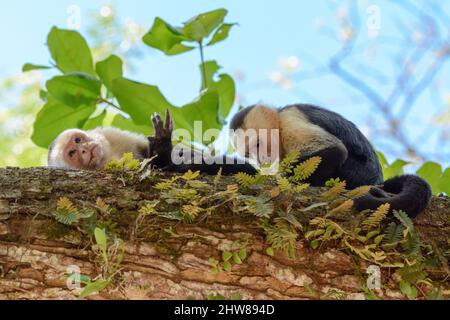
(86,91)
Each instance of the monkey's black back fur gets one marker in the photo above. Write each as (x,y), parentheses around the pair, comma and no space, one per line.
(408,193)
(362,166)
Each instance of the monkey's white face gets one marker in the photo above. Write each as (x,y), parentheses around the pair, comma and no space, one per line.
(77,150)
(258,138)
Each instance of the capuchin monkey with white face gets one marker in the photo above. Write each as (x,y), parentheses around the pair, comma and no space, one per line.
(345,153)
(91,150)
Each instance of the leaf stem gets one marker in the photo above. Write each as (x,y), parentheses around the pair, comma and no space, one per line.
(202,57)
(110,104)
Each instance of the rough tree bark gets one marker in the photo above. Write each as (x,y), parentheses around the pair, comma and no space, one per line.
(34,257)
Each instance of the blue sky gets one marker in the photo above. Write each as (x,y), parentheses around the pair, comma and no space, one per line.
(268,30)
(266,33)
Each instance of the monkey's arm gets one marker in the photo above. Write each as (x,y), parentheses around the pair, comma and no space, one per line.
(333,158)
(162,149)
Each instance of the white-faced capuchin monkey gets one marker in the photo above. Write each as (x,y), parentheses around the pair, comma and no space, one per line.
(345,153)
(91,150)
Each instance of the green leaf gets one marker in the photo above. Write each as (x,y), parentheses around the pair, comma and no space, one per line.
(270,252)
(227,266)
(404,219)
(95,122)
(236,297)
(43,95)
(75,89)
(30,67)
(55,118)
(101,239)
(431,172)
(94,287)
(396,168)
(213,262)
(243,254)
(237,258)
(109,70)
(203,109)
(70,51)
(166,38)
(82,278)
(213,297)
(391,170)
(201,26)
(445,182)
(139,100)
(222,33)
(435,294)
(225,87)
(127,124)
(378,239)
(408,290)
(226,256)
(315,244)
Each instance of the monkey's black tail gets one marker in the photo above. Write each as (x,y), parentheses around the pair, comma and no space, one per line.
(408,193)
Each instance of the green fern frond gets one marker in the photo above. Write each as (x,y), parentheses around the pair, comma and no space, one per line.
(288,162)
(190,213)
(126,163)
(411,247)
(281,235)
(336,190)
(260,206)
(306,169)
(171,215)
(332,182)
(189,176)
(65,204)
(405,220)
(245,180)
(148,209)
(199,185)
(66,218)
(393,234)
(332,229)
(66,212)
(301,187)
(164,186)
(377,217)
(218,178)
(129,162)
(345,207)
(284,184)
(103,206)
(358,192)
(413,273)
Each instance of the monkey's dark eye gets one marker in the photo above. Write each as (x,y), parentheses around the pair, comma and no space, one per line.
(77,140)
(72,153)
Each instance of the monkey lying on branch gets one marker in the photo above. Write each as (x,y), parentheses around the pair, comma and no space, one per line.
(314,131)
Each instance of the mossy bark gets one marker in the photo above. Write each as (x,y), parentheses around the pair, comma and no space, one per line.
(36,251)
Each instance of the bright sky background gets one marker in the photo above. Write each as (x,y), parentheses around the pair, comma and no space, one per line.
(267,32)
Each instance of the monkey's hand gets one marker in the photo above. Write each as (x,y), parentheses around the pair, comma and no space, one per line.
(160,145)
